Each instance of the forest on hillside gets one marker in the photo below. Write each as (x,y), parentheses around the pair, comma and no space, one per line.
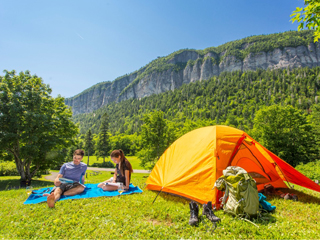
(231,99)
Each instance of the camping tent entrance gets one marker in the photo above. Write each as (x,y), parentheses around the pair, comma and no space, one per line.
(262,170)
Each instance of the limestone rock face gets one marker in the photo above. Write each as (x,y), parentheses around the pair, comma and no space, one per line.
(196,67)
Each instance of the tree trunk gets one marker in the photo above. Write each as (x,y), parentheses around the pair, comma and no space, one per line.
(104,159)
(88,159)
(20,168)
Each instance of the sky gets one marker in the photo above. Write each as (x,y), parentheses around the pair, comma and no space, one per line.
(75,44)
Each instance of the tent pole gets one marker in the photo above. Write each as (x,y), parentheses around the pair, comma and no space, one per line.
(157,196)
(236,148)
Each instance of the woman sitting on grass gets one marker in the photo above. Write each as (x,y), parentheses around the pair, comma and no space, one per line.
(122,173)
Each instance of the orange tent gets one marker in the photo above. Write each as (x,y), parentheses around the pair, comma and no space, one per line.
(192,164)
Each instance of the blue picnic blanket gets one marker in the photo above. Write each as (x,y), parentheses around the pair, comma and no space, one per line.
(90,191)
(264,204)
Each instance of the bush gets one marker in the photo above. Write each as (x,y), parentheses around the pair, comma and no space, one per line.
(310,169)
(104,165)
(8,169)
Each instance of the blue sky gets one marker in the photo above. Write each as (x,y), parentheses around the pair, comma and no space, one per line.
(75,44)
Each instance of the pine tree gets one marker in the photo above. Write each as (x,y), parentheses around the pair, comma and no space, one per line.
(103,143)
(88,144)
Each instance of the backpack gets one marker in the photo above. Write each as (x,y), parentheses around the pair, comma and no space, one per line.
(241,190)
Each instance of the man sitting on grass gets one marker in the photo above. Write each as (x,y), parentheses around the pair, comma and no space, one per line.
(75,171)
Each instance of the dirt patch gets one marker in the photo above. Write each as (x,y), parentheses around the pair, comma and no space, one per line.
(156,222)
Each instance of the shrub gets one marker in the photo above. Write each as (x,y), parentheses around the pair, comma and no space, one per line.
(8,169)
(310,169)
(107,164)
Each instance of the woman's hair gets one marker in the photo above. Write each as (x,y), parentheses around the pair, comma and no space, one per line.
(78,152)
(123,160)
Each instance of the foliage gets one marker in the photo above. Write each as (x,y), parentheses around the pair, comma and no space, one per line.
(155,138)
(130,144)
(167,218)
(314,119)
(310,169)
(88,143)
(76,144)
(103,143)
(308,17)
(8,169)
(232,98)
(32,123)
(104,164)
(286,132)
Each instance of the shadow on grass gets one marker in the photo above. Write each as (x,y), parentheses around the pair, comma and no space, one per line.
(8,184)
(265,218)
(302,197)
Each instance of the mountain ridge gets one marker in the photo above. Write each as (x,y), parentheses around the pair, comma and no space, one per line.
(282,50)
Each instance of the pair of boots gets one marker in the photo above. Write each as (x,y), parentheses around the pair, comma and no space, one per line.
(207,211)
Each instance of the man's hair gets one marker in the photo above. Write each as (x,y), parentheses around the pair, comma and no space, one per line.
(78,152)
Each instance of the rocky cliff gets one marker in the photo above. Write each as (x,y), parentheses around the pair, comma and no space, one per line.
(185,66)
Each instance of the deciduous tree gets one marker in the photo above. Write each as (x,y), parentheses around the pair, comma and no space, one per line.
(32,123)
(286,132)
(308,17)
(154,138)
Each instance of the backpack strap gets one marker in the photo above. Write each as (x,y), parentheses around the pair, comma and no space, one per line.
(226,194)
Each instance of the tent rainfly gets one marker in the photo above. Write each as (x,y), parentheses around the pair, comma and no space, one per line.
(192,164)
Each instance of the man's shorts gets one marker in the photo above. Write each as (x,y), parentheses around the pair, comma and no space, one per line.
(66,186)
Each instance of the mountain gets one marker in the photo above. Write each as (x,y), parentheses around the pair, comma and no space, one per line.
(230,99)
(275,51)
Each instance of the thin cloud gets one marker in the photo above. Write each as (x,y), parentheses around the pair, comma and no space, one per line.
(79,36)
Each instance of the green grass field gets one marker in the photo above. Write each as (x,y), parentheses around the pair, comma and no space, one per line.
(134,216)
(132,159)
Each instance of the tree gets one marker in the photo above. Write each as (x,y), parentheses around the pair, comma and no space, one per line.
(286,132)
(308,17)
(77,144)
(88,144)
(103,143)
(314,119)
(32,123)
(128,143)
(153,138)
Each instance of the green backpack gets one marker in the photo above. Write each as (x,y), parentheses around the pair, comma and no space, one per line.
(242,191)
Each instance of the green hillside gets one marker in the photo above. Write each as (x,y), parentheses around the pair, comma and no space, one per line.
(231,99)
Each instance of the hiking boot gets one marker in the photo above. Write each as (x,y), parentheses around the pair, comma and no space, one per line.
(294,197)
(207,211)
(194,212)
(287,196)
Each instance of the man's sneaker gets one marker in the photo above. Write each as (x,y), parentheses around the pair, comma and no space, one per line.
(207,211)
(194,212)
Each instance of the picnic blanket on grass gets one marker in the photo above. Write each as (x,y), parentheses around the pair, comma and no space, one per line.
(90,191)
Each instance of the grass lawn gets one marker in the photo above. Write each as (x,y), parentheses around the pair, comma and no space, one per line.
(132,159)
(134,216)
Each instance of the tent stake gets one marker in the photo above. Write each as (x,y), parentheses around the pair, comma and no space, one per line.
(157,196)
